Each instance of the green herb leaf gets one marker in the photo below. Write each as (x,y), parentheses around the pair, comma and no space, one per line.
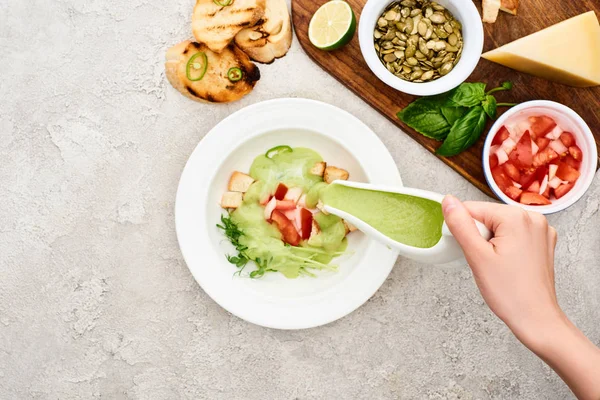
(424,116)
(464,132)
(453,113)
(490,106)
(466,95)
(507,85)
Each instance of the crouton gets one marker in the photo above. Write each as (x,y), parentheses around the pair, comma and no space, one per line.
(490,10)
(231,199)
(321,207)
(349,227)
(333,173)
(509,6)
(239,182)
(319,168)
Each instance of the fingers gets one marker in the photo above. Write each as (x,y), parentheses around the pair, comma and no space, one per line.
(491,214)
(463,228)
(553,237)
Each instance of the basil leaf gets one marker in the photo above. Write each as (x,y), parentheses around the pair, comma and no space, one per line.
(424,116)
(466,95)
(464,132)
(453,113)
(490,106)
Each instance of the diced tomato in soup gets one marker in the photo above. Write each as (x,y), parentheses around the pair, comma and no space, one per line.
(523,172)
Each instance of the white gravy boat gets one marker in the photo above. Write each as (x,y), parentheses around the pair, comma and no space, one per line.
(446,250)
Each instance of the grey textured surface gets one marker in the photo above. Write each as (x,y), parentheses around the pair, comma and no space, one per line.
(95,299)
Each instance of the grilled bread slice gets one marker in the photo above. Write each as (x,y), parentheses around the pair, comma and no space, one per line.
(215,86)
(271,38)
(217,25)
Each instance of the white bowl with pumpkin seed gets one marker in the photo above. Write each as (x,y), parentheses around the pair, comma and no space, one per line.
(421,47)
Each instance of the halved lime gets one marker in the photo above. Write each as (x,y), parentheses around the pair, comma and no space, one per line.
(332,26)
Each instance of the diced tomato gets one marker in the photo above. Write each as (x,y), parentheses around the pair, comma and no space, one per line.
(563,189)
(534,187)
(534,148)
(544,157)
(572,162)
(284,205)
(541,125)
(567,138)
(493,161)
(502,156)
(286,227)
(290,214)
(501,136)
(512,171)
(546,193)
(501,179)
(524,156)
(542,143)
(537,175)
(293,194)
(269,207)
(265,200)
(544,186)
(534,199)
(280,191)
(306,218)
(576,152)
(555,182)
(527,179)
(513,192)
(567,173)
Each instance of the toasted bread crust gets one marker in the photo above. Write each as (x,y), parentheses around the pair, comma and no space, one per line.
(214,87)
(271,38)
(216,26)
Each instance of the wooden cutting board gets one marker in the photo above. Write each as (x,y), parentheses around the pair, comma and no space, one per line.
(347,66)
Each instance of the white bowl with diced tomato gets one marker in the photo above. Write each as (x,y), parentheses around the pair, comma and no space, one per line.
(540,155)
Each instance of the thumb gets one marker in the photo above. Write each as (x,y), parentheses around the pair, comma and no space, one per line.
(463,228)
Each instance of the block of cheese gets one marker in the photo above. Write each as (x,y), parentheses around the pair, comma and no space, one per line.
(568,52)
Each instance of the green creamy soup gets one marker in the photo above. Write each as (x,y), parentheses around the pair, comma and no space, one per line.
(263,239)
(407,219)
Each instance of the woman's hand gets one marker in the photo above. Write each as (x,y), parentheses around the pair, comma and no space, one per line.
(515,274)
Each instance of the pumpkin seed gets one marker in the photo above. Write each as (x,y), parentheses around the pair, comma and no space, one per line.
(429,33)
(453,39)
(440,45)
(437,18)
(423,47)
(422,28)
(410,24)
(446,68)
(427,75)
(418,40)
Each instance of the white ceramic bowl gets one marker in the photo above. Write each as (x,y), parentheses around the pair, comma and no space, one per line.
(273,300)
(463,10)
(569,121)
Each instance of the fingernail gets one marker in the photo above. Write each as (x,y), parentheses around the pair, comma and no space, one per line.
(449,203)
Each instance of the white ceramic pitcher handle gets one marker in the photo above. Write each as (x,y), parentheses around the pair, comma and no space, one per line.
(483,230)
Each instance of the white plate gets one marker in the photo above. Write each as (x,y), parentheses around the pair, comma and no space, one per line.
(274,301)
